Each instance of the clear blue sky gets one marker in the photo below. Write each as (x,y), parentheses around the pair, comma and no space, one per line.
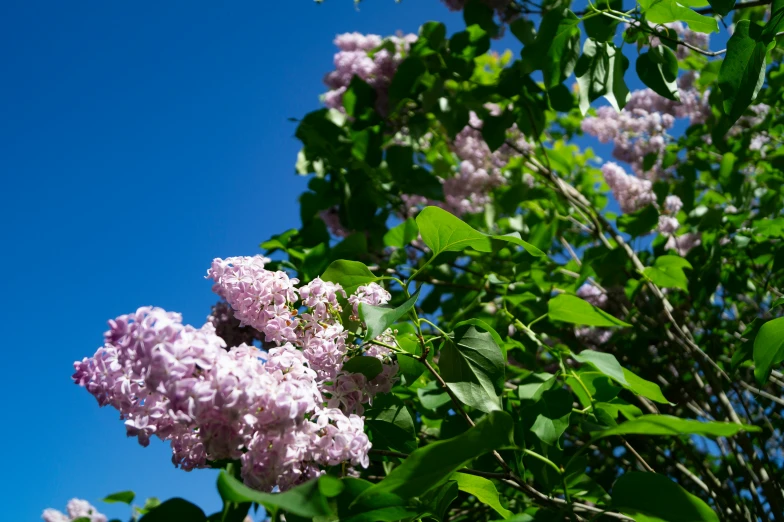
(138,141)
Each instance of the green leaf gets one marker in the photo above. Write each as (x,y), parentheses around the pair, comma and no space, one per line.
(175,510)
(658,69)
(472,365)
(402,234)
(640,222)
(306,500)
(776,22)
(742,72)
(599,27)
(126,497)
(643,387)
(443,232)
(348,274)
(391,424)
(670,426)
(665,11)
(359,99)
(722,7)
(430,466)
(556,48)
(514,238)
(606,363)
(533,386)
(768,348)
(599,72)
(379,318)
(667,272)
(572,309)
(433,396)
(552,418)
(650,497)
(494,129)
(483,489)
(368,366)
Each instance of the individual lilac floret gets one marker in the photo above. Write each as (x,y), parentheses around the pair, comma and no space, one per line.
(592,294)
(260,298)
(76,509)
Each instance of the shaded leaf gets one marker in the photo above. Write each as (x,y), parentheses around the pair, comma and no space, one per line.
(768,348)
(306,500)
(472,365)
(430,466)
(368,366)
(653,497)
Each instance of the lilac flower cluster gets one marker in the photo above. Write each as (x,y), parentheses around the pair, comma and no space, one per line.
(76,509)
(480,170)
(284,413)
(641,127)
(593,294)
(682,244)
(360,56)
(631,192)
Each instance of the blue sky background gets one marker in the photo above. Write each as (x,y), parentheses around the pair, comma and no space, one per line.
(138,141)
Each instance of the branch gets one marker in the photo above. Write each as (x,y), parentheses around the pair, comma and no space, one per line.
(740,5)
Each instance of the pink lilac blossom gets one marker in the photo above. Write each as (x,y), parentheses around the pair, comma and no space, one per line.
(331,219)
(593,336)
(260,298)
(632,193)
(672,204)
(592,294)
(284,413)
(177,382)
(354,59)
(683,244)
(641,127)
(480,170)
(372,294)
(76,509)
(667,225)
